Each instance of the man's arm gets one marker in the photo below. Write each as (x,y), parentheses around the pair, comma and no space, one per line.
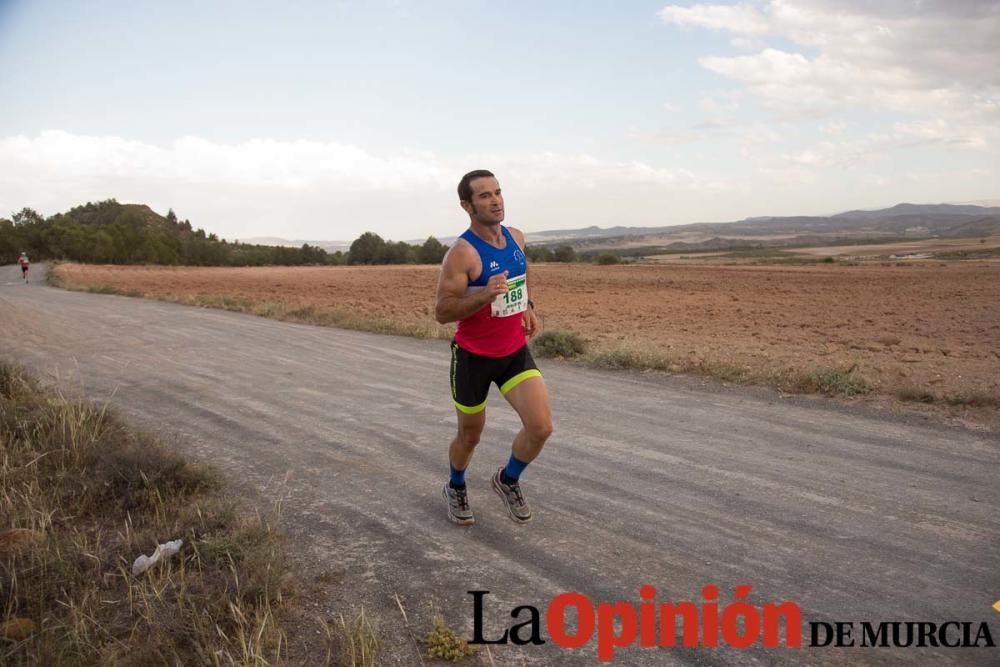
(531,323)
(452,302)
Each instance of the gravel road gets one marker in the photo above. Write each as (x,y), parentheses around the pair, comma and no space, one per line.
(856,515)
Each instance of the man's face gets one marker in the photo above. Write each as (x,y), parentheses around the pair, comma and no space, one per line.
(486,203)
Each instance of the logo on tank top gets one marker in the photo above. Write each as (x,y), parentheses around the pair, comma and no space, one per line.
(494,265)
(518,256)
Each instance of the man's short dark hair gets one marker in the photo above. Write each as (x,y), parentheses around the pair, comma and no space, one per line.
(465,185)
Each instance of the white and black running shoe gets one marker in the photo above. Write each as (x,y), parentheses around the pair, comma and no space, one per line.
(513,498)
(458,505)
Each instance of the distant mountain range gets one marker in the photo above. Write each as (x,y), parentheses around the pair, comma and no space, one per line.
(900,221)
(903,220)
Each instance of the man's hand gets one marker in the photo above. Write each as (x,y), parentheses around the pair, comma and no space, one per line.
(495,286)
(531,323)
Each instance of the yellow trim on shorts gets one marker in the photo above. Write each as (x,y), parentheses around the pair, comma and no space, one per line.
(470,411)
(518,379)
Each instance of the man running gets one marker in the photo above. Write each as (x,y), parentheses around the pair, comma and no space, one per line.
(23,261)
(484,287)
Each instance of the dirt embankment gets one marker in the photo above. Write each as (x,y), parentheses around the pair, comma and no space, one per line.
(926,331)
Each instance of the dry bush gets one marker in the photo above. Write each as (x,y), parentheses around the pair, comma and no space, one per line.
(100,495)
(442,642)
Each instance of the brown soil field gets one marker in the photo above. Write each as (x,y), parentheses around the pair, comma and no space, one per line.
(933,250)
(924,331)
(905,247)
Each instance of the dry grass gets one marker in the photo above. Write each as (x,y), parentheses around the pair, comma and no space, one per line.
(351,641)
(821,380)
(914,395)
(317,315)
(975,399)
(97,495)
(303,314)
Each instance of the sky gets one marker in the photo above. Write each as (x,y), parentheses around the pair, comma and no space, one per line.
(323,120)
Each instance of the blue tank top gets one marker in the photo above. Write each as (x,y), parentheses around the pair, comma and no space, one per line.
(481,333)
(496,260)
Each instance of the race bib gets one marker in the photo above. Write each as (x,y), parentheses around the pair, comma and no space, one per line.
(514,300)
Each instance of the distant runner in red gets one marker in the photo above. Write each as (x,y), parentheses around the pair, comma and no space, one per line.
(484,287)
(23,261)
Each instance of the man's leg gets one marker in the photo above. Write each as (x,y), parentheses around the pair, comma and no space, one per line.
(470,429)
(470,384)
(530,398)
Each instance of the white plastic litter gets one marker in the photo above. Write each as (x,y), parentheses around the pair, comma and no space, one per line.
(166,550)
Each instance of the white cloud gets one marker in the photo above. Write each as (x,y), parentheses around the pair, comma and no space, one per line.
(847,151)
(938,42)
(933,61)
(752,134)
(313,190)
(746,43)
(747,18)
(937,131)
(259,162)
(833,127)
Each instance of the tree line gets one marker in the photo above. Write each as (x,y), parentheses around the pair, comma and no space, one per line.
(107,232)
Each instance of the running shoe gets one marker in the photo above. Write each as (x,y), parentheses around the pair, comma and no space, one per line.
(458,505)
(513,498)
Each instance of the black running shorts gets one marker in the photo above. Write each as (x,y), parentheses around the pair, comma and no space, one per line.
(471,375)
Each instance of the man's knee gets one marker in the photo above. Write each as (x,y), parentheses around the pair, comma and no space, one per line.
(469,437)
(539,431)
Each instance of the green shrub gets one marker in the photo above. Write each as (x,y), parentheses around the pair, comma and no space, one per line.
(558,343)
(442,642)
(832,382)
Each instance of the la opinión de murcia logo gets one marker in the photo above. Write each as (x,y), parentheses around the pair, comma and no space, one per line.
(738,624)
(901,634)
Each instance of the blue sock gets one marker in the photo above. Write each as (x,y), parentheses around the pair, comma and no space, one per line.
(514,469)
(457,477)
